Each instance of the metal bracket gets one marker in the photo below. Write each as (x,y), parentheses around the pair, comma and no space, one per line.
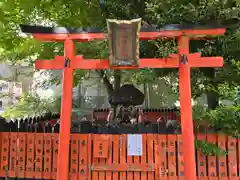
(184,59)
(67,62)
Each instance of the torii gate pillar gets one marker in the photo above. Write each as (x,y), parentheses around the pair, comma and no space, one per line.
(186,111)
(66,112)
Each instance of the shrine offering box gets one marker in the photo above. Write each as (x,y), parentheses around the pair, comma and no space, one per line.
(123,36)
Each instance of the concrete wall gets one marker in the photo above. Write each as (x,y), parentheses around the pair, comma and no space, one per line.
(160,92)
(22,74)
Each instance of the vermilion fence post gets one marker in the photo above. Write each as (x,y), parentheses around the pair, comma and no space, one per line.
(4,153)
(84,153)
(13,155)
(110,155)
(30,155)
(222,164)
(202,164)
(21,156)
(144,156)
(232,158)
(74,159)
(150,155)
(47,155)
(180,158)
(55,155)
(172,164)
(38,156)
(162,144)
(212,167)
(116,154)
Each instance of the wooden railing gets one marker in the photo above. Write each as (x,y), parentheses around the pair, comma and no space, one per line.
(104,157)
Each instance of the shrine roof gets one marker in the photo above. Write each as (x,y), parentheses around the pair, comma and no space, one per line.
(66,30)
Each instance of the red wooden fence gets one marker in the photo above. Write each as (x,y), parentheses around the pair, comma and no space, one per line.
(104,157)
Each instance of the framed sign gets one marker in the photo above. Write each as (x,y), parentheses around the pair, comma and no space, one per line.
(135,145)
(123,38)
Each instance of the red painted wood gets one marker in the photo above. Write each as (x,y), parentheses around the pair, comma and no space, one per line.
(156,157)
(47,156)
(56,63)
(222,164)
(55,139)
(116,154)
(74,158)
(89,154)
(38,156)
(144,156)
(206,62)
(186,112)
(66,114)
(162,149)
(109,158)
(13,155)
(21,155)
(212,166)
(143,63)
(5,149)
(83,156)
(232,158)
(115,166)
(30,155)
(201,159)
(172,165)
(150,154)
(172,62)
(180,158)
(143,35)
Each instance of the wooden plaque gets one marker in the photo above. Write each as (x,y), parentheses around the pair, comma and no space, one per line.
(124,42)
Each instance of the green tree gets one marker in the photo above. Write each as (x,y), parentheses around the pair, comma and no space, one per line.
(89,14)
(31,105)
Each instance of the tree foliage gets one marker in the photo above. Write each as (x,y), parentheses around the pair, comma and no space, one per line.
(31,105)
(92,14)
(15,47)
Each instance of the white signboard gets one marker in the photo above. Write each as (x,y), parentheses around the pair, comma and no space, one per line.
(135,145)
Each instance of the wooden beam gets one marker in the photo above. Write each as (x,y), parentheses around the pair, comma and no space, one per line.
(171,62)
(79,63)
(143,35)
(206,62)
(124,168)
(57,63)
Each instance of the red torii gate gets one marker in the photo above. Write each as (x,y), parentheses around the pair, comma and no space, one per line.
(182,60)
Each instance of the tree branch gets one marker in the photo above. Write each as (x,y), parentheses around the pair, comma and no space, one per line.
(117,79)
(106,81)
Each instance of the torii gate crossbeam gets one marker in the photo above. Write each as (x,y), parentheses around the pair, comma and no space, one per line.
(183,60)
